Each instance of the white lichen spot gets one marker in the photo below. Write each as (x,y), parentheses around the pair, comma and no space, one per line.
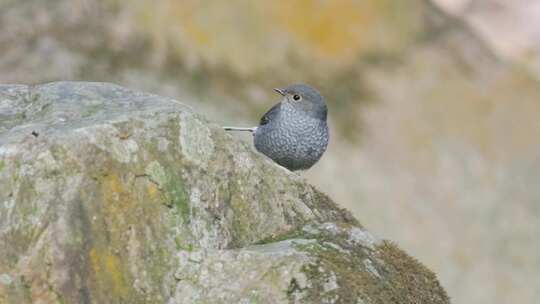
(370,268)
(311,230)
(124,150)
(360,301)
(361,237)
(207,236)
(195,140)
(330,227)
(302,280)
(9,206)
(156,173)
(46,160)
(8,150)
(163,144)
(330,283)
(243,161)
(336,247)
(195,196)
(303,283)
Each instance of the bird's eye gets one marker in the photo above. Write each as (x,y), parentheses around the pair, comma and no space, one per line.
(296,97)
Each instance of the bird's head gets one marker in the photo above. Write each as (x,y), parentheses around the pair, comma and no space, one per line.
(304,98)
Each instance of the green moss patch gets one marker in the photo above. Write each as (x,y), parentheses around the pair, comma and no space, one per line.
(348,270)
(171,184)
(415,282)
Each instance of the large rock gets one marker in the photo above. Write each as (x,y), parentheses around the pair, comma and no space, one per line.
(114,196)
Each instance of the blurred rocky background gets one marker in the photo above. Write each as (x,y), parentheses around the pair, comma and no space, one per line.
(434,105)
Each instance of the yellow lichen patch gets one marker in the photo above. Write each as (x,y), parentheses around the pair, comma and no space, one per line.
(108,272)
(250,36)
(112,184)
(153,191)
(114,193)
(341,30)
(332,28)
(119,203)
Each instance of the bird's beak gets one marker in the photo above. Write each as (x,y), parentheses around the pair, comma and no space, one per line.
(280,91)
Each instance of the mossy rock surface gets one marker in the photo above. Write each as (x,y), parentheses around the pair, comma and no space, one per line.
(113,196)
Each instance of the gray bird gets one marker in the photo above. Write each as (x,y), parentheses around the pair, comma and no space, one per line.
(293,133)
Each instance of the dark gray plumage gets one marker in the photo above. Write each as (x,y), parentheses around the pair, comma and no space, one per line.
(293,132)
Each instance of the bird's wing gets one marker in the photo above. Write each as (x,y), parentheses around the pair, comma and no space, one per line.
(271,114)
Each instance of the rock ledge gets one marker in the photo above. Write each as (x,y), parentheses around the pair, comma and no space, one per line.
(113,196)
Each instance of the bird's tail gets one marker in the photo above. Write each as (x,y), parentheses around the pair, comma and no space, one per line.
(240,129)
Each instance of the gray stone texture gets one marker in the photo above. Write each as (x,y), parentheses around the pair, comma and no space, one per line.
(113,196)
